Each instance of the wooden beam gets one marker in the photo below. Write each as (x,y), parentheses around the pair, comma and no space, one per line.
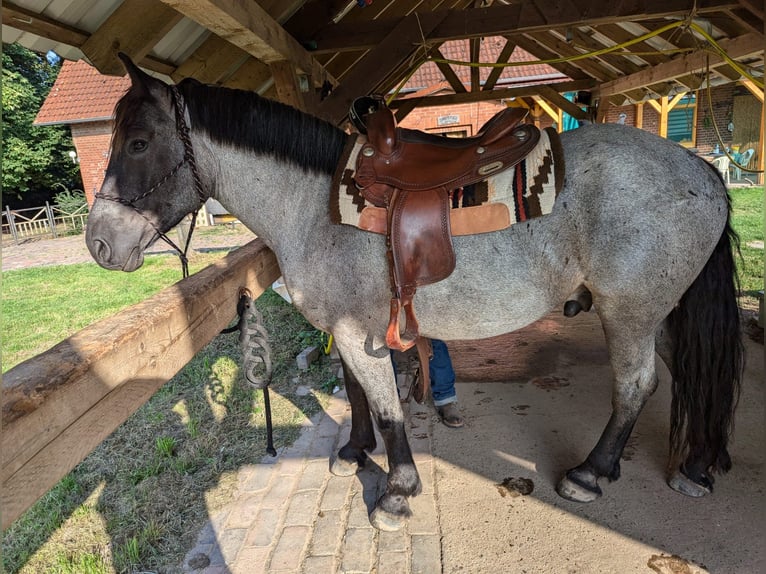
(655,105)
(677,98)
(547,108)
(470,97)
(474,47)
(603,109)
(501,20)
(57,407)
(747,45)
(503,57)
(287,84)
(753,89)
(564,104)
(378,63)
(213,61)
(639,123)
(247,25)
(449,74)
(664,109)
(252,75)
(28,21)
(134,28)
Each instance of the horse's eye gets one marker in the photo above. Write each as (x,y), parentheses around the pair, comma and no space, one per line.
(137,146)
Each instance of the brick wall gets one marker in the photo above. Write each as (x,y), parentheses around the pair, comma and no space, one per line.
(722,98)
(92,141)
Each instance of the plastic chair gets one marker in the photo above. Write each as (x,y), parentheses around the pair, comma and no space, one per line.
(722,165)
(744,159)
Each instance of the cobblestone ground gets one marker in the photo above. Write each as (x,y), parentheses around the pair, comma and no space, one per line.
(291,515)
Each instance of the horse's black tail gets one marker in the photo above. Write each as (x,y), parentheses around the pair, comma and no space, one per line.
(708,361)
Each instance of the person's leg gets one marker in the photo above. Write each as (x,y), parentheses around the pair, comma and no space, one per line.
(443,385)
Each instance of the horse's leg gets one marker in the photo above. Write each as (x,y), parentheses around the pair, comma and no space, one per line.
(375,375)
(632,357)
(352,455)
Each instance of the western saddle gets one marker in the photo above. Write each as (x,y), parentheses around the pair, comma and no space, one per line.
(412,174)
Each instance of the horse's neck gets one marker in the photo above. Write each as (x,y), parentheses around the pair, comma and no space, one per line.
(280,202)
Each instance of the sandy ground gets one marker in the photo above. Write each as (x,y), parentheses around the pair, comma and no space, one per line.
(545,418)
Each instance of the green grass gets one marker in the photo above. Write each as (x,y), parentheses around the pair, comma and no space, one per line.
(748,221)
(44,305)
(137,502)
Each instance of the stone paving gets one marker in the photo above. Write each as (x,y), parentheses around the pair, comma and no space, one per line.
(291,515)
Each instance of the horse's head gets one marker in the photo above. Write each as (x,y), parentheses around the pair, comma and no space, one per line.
(150,182)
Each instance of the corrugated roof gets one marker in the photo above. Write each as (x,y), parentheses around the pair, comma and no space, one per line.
(81,94)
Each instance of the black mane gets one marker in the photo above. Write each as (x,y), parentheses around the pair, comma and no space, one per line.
(249,121)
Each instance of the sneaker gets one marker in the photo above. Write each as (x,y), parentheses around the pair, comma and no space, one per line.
(450,415)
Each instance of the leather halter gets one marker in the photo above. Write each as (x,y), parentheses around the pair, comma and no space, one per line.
(183,132)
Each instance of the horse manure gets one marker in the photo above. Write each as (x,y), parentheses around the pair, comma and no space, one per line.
(199,561)
(551,383)
(664,564)
(514,487)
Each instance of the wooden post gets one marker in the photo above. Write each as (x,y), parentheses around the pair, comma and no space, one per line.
(58,406)
(12,224)
(664,116)
(640,115)
(51,219)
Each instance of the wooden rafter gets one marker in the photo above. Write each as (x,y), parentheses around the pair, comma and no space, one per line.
(251,28)
(502,58)
(377,64)
(470,97)
(134,28)
(474,48)
(506,19)
(735,48)
(213,61)
(448,73)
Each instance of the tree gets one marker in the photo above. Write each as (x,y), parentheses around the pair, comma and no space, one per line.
(35,158)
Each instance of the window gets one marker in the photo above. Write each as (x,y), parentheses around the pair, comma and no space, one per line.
(681,121)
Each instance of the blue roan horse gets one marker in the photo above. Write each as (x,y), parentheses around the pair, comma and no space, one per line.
(640,222)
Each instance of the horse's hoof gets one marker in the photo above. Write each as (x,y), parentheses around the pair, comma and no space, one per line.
(342,467)
(575,492)
(683,484)
(386,521)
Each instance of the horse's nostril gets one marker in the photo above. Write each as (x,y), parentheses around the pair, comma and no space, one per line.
(101,251)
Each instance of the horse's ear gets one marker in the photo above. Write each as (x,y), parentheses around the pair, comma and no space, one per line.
(140,80)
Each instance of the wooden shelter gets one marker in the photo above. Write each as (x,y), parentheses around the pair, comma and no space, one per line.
(318,55)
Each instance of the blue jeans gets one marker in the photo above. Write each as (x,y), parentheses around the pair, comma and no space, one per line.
(442,374)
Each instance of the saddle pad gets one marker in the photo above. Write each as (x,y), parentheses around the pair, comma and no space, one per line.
(526,190)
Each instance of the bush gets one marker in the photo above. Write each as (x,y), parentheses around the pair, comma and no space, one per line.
(70,201)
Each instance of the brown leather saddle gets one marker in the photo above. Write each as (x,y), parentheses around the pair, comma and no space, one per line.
(412,174)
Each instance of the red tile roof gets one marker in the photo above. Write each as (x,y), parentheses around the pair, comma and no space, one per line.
(429,74)
(80,94)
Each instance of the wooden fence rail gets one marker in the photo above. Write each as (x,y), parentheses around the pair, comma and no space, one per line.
(58,406)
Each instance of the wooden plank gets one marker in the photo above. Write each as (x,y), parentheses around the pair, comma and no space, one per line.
(247,25)
(547,108)
(213,61)
(501,20)
(252,75)
(286,82)
(474,46)
(378,63)
(470,97)
(502,58)
(663,131)
(449,74)
(134,28)
(58,406)
(639,115)
(746,45)
(753,89)
(557,99)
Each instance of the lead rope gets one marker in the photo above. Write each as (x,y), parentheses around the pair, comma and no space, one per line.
(256,355)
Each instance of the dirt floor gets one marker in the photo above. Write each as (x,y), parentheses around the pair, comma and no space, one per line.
(496,478)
